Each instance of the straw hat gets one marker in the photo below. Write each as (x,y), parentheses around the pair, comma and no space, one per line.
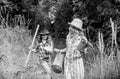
(77,23)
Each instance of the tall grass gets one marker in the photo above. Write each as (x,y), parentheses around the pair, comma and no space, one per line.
(13,50)
(4,19)
(101,49)
(14,43)
(105,66)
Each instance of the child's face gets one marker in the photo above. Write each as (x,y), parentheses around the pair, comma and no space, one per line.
(44,37)
(72,30)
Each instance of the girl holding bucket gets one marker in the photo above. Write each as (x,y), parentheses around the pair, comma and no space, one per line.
(45,49)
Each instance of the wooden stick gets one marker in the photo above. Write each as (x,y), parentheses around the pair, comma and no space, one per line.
(31,46)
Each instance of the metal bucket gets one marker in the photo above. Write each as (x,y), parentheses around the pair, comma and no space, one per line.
(57,65)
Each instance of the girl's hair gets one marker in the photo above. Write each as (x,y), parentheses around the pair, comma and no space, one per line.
(40,39)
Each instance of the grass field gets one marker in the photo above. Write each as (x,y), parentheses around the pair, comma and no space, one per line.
(101,61)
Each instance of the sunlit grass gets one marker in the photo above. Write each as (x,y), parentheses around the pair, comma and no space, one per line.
(105,66)
(14,44)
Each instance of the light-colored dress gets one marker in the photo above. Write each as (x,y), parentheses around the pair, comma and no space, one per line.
(73,65)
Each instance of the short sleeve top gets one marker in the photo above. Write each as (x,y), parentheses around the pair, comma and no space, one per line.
(72,44)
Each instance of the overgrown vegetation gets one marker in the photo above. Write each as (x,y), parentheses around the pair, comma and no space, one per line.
(104,65)
(18,20)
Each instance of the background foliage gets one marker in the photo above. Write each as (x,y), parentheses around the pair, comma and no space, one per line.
(95,14)
(18,21)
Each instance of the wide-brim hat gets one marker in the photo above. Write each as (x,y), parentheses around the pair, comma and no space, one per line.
(77,23)
(44,32)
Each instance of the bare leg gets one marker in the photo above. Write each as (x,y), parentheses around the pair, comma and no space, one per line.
(47,69)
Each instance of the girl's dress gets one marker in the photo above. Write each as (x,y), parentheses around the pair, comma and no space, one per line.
(73,65)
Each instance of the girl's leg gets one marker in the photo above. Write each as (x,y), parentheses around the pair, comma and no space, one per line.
(47,68)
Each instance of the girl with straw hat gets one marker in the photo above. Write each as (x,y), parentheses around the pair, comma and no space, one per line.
(76,42)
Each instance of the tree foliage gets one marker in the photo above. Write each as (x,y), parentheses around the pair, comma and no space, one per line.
(97,14)
(94,13)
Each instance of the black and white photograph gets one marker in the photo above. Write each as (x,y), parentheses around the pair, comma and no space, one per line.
(59,39)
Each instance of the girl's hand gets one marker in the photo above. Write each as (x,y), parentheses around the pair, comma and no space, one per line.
(32,49)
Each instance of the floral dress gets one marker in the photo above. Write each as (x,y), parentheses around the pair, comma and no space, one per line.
(74,66)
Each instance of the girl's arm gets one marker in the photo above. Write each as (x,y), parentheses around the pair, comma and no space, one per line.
(60,50)
(48,48)
(32,49)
